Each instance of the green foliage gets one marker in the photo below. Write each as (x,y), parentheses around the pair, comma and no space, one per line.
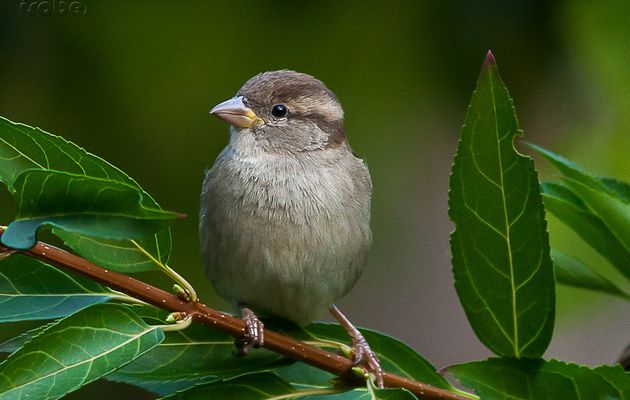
(75,351)
(597,209)
(568,207)
(505,378)
(23,148)
(501,262)
(82,205)
(188,357)
(571,271)
(394,355)
(199,353)
(266,385)
(502,265)
(33,290)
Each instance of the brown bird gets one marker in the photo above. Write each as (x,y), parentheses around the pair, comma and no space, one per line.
(285,209)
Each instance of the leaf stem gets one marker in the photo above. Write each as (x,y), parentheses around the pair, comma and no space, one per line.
(171,273)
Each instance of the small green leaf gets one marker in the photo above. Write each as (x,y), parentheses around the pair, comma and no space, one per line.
(613,212)
(536,379)
(569,168)
(306,377)
(571,210)
(394,355)
(605,199)
(619,188)
(23,148)
(79,204)
(191,355)
(572,272)
(501,262)
(33,290)
(75,351)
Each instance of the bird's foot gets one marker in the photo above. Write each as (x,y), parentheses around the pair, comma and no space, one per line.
(254,336)
(361,351)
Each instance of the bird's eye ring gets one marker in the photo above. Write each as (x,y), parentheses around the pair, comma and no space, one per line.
(279,111)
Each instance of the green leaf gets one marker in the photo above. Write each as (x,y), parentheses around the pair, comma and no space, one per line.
(306,377)
(501,262)
(123,256)
(192,355)
(395,356)
(613,212)
(18,341)
(247,387)
(606,199)
(23,148)
(33,290)
(265,385)
(75,351)
(536,379)
(619,188)
(569,168)
(165,388)
(572,272)
(572,211)
(79,204)
(394,394)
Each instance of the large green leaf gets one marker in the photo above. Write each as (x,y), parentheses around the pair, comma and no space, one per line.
(32,290)
(501,262)
(265,385)
(571,271)
(191,355)
(23,147)
(571,210)
(536,379)
(76,203)
(75,351)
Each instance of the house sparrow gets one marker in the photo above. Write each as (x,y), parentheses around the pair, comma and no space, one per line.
(285,209)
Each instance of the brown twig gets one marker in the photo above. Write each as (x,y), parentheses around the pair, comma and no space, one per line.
(276,342)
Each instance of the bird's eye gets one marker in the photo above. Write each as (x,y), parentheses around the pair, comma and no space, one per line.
(279,111)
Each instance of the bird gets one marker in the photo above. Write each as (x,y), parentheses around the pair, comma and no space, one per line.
(285,209)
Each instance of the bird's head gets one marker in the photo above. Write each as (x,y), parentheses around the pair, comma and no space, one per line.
(285,112)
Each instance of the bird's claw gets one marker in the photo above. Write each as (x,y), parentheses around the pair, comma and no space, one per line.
(254,336)
(363,354)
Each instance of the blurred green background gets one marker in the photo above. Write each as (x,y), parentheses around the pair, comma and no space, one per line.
(133,83)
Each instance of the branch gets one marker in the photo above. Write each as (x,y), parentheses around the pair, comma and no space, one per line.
(280,344)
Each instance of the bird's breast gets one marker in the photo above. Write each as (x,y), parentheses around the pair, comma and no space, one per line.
(295,227)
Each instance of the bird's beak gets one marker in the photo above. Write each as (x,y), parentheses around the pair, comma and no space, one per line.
(235,112)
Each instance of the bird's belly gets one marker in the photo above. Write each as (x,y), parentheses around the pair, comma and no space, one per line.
(294,271)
